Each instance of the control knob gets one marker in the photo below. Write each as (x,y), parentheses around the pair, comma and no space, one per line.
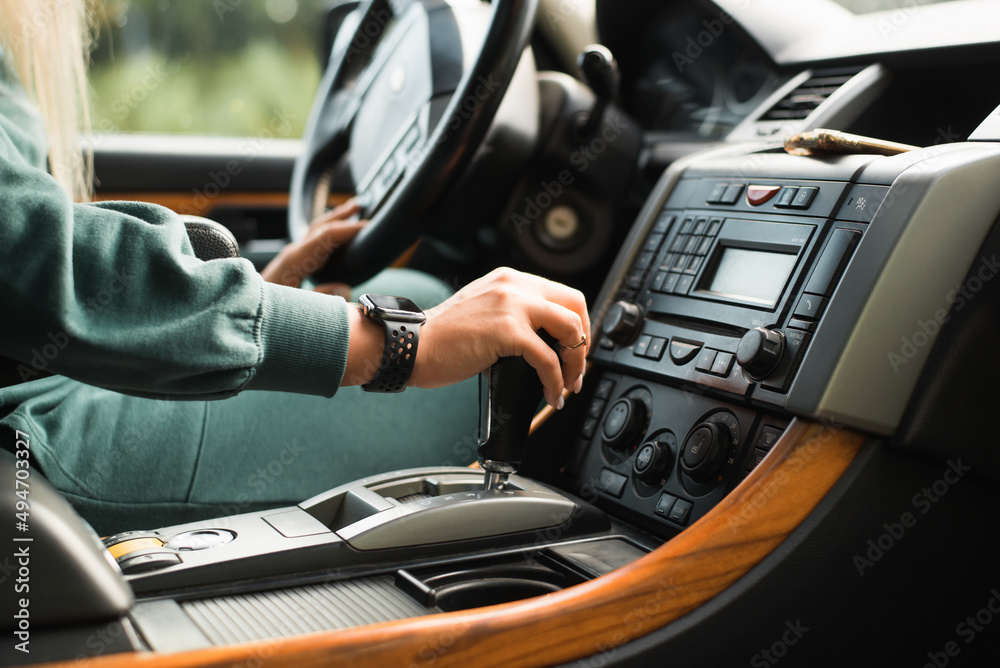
(705,450)
(622,322)
(624,423)
(760,351)
(653,461)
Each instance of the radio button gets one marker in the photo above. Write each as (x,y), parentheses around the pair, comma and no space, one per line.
(713,226)
(686,225)
(596,408)
(683,284)
(641,345)
(653,242)
(644,260)
(611,483)
(679,513)
(605,388)
(700,225)
(678,243)
(680,261)
(804,325)
(732,194)
(657,284)
(768,437)
(702,249)
(665,503)
(804,198)
(682,352)
(723,363)
(715,197)
(706,360)
(663,223)
(786,197)
(693,265)
(810,307)
(691,245)
(756,457)
(757,195)
(669,283)
(833,260)
(655,349)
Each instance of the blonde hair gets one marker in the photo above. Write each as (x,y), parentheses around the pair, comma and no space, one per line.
(48,43)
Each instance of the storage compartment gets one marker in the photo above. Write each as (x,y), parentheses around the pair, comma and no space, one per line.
(503,580)
(475,585)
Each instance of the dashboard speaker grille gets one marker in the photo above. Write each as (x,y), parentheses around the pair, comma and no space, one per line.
(294,611)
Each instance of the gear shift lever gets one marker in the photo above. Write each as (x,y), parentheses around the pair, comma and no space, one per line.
(509,393)
(600,72)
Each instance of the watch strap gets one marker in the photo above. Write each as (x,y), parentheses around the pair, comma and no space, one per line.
(398,357)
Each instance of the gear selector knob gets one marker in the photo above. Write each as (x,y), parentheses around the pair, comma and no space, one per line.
(509,392)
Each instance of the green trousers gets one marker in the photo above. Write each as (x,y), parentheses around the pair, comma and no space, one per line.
(131,463)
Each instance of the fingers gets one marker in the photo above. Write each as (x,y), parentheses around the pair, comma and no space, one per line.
(572,300)
(567,328)
(545,361)
(298,260)
(562,312)
(340,212)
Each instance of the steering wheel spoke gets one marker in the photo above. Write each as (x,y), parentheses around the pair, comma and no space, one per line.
(381,106)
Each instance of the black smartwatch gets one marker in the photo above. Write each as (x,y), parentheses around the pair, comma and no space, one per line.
(401,319)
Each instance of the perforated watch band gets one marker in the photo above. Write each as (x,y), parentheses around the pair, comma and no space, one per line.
(398,356)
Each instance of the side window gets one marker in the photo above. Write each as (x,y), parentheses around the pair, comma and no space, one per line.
(222,67)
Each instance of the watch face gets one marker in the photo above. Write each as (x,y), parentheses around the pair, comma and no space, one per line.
(394,303)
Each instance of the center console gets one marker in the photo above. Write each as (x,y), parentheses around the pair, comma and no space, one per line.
(730,311)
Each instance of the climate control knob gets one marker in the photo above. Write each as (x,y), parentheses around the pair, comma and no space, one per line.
(624,423)
(760,351)
(653,461)
(705,451)
(622,322)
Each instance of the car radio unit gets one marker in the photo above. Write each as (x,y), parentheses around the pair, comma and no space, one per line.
(715,309)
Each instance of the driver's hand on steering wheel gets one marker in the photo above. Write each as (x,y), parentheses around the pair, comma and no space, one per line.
(495,316)
(302,258)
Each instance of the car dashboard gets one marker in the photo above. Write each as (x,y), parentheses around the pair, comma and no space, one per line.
(784,436)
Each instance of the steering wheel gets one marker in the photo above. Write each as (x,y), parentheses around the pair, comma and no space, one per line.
(409,101)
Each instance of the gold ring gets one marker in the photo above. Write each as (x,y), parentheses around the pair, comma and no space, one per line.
(582,341)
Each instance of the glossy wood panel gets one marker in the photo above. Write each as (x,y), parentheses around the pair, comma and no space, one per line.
(593,618)
(200,205)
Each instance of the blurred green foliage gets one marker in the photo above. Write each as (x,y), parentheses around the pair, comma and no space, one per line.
(231,67)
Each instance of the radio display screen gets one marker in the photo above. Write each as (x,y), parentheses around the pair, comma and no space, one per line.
(752,276)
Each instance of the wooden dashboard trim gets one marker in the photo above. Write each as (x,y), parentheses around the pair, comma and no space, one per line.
(197,204)
(593,618)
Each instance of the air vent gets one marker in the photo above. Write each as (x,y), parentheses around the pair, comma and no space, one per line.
(805,98)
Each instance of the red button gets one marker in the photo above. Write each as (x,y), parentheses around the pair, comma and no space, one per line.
(757,195)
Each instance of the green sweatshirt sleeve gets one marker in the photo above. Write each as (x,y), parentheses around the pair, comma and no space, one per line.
(111,294)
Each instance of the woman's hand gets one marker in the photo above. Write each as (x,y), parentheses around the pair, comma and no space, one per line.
(301,258)
(498,316)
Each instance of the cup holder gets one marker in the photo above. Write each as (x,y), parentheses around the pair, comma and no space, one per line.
(487,583)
